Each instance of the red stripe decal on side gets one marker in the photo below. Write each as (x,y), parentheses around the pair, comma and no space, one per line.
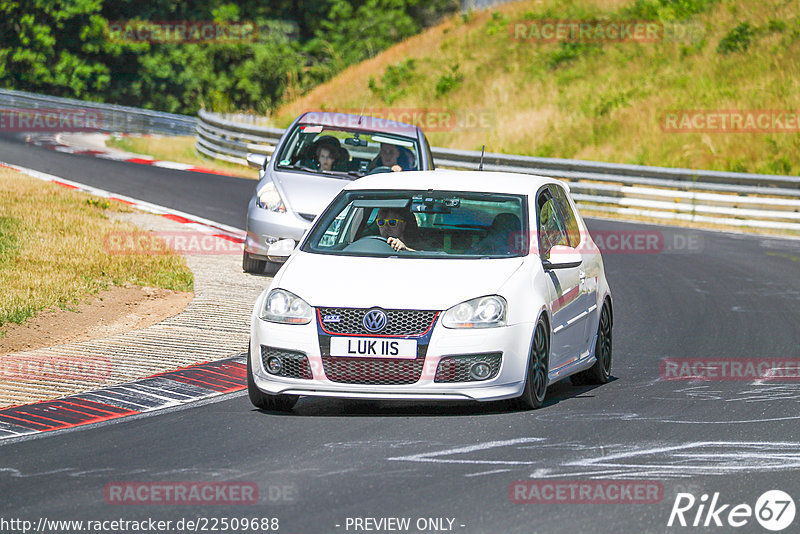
(565,298)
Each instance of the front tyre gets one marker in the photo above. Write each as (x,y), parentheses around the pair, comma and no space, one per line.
(265,401)
(537,375)
(600,372)
(252,265)
(272,268)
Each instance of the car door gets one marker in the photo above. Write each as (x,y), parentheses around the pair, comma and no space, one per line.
(588,271)
(564,284)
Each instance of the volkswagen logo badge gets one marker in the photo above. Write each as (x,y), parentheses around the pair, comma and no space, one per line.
(375,320)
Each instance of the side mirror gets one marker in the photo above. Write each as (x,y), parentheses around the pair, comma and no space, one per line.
(562,257)
(280,251)
(257,161)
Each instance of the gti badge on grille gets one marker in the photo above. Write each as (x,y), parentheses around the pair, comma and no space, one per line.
(375,320)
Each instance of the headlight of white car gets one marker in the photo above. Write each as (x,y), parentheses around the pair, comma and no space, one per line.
(482,312)
(269,198)
(282,306)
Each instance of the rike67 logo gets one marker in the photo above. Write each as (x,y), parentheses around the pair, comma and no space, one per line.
(774,510)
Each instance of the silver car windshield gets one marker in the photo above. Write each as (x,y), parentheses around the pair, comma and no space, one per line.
(438,224)
(331,150)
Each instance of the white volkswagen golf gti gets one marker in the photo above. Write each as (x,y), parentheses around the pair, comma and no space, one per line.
(437,285)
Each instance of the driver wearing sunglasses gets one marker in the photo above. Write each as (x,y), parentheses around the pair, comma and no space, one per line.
(398,227)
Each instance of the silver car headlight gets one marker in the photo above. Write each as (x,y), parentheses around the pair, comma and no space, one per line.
(268,198)
(482,312)
(285,307)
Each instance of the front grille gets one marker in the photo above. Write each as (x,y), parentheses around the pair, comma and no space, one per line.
(373,370)
(456,368)
(293,364)
(399,323)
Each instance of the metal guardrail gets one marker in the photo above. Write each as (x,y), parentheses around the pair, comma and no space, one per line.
(220,137)
(470,5)
(112,118)
(724,198)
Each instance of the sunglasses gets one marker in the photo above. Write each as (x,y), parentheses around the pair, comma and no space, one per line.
(390,222)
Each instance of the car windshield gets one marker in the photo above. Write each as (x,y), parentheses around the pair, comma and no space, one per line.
(438,224)
(326,149)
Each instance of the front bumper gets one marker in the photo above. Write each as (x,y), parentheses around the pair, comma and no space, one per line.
(512,341)
(265,227)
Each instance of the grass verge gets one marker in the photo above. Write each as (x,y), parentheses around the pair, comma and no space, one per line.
(52,250)
(603,101)
(180,149)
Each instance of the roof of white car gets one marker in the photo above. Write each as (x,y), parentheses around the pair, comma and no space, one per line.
(449,180)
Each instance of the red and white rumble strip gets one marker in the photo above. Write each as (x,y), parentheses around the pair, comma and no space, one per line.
(159,391)
(57,143)
(163,390)
(192,222)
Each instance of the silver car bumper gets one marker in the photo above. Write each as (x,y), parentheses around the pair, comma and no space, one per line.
(265,227)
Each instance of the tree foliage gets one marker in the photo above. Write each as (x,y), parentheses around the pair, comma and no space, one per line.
(62,48)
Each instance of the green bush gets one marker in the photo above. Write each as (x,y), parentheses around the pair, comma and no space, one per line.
(497,23)
(567,52)
(738,39)
(666,10)
(449,81)
(394,81)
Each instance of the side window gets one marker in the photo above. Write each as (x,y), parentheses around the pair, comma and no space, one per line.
(551,228)
(570,221)
(334,234)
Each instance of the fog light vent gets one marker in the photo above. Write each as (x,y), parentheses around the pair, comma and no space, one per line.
(286,363)
(468,367)
(480,371)
(274,365)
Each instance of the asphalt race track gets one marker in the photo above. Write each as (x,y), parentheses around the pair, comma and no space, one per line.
(219,198)
(330,462)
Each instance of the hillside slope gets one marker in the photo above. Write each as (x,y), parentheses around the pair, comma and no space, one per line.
(605,101)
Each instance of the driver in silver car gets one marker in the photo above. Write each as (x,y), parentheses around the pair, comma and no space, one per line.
(395,157)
